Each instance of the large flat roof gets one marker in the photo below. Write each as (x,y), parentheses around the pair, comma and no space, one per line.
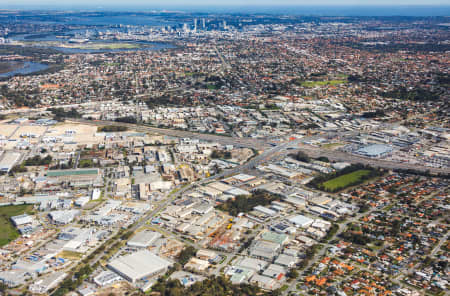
(61,173)
(274,237)
(8,160)
(375,150)
(144,238)
(301,220)
(139,265)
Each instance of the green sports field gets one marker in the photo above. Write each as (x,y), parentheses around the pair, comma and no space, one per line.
(322,83)
(345,180)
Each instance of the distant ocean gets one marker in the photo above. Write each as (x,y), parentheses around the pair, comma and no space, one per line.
(394,10)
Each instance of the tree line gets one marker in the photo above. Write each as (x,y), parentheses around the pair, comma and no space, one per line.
(318,181)
(212,286)
(244,204)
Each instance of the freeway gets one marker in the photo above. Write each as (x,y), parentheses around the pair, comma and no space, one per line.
(258,144)
(264,144)
(375,162)
(65,106)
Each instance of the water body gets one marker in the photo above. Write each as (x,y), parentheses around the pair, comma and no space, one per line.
(319,10)
(144,45)
(309,10)
(26,68)
(334,10)
(155,46)
(134,20)
(99,18)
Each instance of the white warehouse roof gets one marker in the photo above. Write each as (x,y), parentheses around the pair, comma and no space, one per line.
(301,221)
(143,239)
(139,265)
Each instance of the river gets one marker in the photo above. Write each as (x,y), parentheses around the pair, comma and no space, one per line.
(25,68)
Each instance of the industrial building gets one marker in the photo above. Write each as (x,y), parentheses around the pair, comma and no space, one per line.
(44,284)
(22,220)
(63,217)
(375,150)
(13,278)
(143,239)
(107,277)
(8,161)
(77,177)
(139,265)
(264,249)
(253,264)
(301,221)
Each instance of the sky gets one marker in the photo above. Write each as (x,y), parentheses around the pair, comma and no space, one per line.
(150,3)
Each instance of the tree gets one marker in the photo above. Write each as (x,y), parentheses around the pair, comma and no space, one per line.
(292,274)
(127,119)
(112,128)
(186,255)
(37,160)
(244,204)
(3,287)
(212,286)
(302,156)
(60,113)
(323,159)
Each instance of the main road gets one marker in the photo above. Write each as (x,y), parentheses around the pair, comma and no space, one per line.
(182,189)
(258,144)
(264,144)
(336,155)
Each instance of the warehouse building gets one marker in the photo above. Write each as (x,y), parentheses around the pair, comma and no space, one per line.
(301,221)
(139,265)
(143,239)
(264,250)
(265,211)
(274,237)
(253,264)
(375,150)
(44,284)
(107,277)
(8,161)
(22,220)
(77,177)
(14,278)
(63,217)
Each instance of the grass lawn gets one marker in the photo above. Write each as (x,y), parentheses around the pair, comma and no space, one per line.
(8,232)
(332,145)
(345,180)
(70,255)
(342,76)
(284,287)
(86,163)
(322,83)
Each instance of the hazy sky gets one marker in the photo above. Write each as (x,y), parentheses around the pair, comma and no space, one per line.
(150,3)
